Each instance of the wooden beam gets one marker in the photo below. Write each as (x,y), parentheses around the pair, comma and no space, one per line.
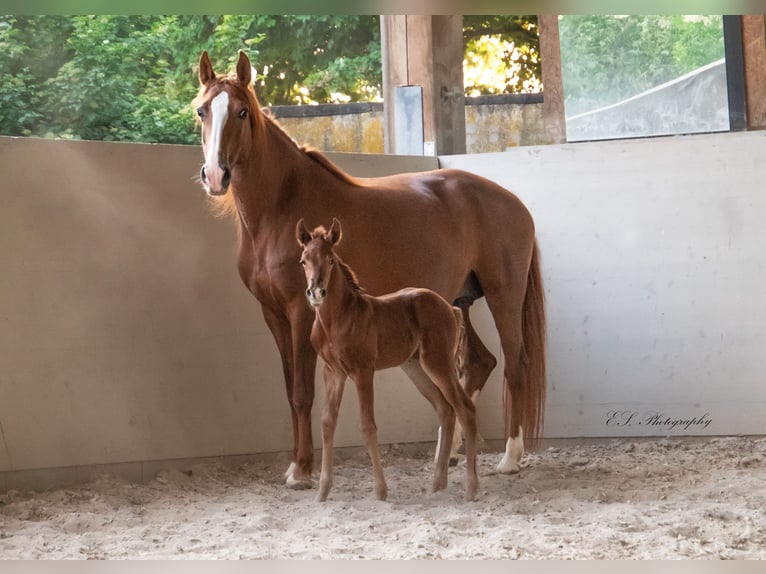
(420,65)
(393,44)
(554,119)
(426,51)
(754,47)
(448,87)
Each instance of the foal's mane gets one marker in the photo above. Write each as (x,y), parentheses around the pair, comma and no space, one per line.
(348,273)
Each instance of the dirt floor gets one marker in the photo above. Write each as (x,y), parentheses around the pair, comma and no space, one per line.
(669,498)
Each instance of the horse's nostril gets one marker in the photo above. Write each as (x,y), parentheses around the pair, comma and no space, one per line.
(226,178)
(202,175)
(323,292)
(308,292)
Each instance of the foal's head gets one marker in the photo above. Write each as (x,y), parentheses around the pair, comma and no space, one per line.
(318,258)
(228,112)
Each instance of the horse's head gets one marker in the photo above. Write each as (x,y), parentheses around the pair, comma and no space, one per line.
(228,112)
(318,258)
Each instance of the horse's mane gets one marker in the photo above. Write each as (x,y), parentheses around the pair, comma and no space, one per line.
(350,276)
(311,152)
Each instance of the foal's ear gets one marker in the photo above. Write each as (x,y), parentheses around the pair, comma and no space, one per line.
(206,73)
(244,69)
(335,233)
(302,234)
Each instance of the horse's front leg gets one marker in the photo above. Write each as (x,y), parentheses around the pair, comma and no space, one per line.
(298,475)
(334,381)
(364,381)
(302,398)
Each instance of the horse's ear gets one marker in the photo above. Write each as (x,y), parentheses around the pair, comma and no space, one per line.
(302,234)
(335,233)
(244,69)
(206,73)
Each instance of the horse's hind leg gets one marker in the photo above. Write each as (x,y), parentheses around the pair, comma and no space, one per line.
(445,414)
(364,381)
(334,381)
(506,307)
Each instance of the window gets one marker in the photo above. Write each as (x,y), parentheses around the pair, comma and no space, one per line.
(632,76)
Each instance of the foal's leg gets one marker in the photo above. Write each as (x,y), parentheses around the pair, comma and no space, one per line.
(334,382)
(438,362)
(364,380)
(478,364)
(444,412)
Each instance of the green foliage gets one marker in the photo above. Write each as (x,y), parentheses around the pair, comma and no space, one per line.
(502,55)
(31,50)
(132,78)
(606,59)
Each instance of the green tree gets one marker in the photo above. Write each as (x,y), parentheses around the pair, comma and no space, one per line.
(502,54)
(32,49)
(131,78)
(606,59)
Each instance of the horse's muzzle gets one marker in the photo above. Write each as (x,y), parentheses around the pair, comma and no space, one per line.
(212,186)
(316,296)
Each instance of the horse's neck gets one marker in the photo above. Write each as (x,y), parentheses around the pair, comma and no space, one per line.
(342,298)
(279,173)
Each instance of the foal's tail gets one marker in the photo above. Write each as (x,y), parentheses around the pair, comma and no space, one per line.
(531,399)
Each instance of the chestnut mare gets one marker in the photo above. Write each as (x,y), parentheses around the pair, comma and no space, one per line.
(450,231)
(357,334)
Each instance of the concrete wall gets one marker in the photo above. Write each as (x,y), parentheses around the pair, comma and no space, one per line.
(655,274)
(127,338)
(493,123)
(126,335)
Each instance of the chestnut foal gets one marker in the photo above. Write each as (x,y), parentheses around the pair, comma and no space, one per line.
(357,334)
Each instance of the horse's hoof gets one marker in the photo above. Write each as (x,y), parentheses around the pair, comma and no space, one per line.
(298,483)
(294,484)
(507,468)
(453,461)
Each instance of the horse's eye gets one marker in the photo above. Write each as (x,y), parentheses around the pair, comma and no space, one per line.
(243,113)
(332,261)
(201,113)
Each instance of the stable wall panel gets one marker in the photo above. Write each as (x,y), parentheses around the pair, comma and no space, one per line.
(654,272)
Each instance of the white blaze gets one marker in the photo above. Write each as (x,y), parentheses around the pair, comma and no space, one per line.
(219,111)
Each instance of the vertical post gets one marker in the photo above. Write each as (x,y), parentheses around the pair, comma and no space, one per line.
(448,88)
(420,60)
(735,72)
(393,44)
(426,51)
(754,46)
(554,118)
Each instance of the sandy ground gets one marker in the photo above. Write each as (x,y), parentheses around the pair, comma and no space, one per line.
(622,499)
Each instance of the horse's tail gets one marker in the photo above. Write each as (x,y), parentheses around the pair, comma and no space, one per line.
(533,360)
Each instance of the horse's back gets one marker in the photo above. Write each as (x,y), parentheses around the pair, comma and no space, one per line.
(422,313)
